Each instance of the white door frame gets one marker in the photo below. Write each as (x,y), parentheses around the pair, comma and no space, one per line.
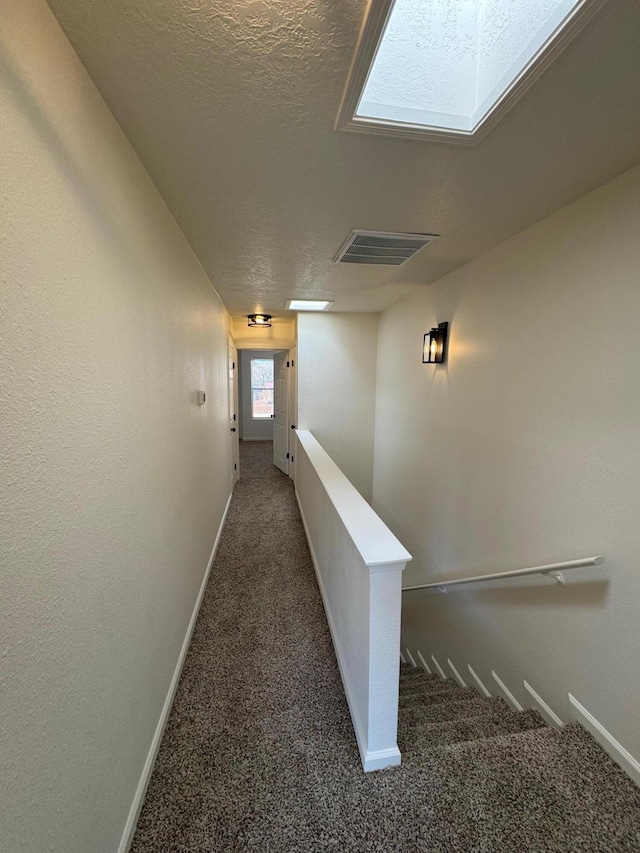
(293,408)
(234,423)
(281,424)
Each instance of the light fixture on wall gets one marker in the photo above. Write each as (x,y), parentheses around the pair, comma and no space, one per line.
(259,320)
(434,350)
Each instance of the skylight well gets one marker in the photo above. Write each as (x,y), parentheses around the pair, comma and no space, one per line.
(451,68)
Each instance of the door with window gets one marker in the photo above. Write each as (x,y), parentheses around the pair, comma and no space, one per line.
(281,412)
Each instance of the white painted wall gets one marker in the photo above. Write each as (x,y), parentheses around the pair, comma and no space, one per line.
(113,482)
(524,450)
(252,428)
(336,389)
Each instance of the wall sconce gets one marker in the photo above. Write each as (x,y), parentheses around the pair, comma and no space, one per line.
(434,350)
(259,320)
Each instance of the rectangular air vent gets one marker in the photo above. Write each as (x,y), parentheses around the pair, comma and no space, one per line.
(380,247)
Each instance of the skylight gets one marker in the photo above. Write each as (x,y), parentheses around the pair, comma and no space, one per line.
(308,305)
(445,67)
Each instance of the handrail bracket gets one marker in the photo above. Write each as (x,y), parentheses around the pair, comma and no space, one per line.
(558,576)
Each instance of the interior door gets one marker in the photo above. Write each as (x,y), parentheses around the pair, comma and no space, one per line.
(281,411)
(293,408)
(233,414)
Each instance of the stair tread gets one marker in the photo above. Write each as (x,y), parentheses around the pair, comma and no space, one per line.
(438,696)
(528,791)
(441,712)
(413,741)
(443,688)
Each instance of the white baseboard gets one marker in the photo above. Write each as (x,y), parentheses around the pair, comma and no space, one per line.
(441,671)
(371,759)
(511,699)
(478,681)
(456,674)
(425,665)
(618,753)
(545,710)
(411,659)
(147,770)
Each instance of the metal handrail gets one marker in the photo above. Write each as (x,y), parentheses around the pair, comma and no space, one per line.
(553,569)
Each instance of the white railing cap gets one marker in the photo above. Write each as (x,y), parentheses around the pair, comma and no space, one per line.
(373,539)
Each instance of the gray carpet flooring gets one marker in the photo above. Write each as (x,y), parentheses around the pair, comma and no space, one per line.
(259,753)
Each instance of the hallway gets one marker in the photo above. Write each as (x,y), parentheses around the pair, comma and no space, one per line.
(259,752)
(260,709)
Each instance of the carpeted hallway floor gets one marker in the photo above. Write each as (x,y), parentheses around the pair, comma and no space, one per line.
(259,753)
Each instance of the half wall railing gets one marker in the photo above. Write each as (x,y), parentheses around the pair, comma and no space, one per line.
(359,565)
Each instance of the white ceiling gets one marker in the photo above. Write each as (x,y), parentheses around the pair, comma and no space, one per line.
(231,105)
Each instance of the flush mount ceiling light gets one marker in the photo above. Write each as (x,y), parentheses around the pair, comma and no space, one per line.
(308,305)
(259,320)
(450,70)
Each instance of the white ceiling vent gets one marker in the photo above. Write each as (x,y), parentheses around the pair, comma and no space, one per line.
(381,247)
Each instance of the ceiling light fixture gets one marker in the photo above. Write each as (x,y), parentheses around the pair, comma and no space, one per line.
(259,320)
(308,305)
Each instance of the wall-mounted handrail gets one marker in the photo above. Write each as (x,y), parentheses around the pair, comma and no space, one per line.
(553,569)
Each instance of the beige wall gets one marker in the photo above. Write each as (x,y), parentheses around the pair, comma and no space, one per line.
(523,450)
(280,335)
(336,389)
(112,481)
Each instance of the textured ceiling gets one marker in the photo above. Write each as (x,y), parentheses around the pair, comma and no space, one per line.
(230,104)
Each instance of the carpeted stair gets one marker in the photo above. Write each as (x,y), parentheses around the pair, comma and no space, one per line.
(259,752)
(436,713)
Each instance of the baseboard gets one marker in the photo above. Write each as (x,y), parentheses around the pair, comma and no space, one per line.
(511,699)
(248,438)
(548,713)
(441,672)
(425,665)
(371,759)
(611,746)
(411,659)
(456,674)
(483,690)
(147,770)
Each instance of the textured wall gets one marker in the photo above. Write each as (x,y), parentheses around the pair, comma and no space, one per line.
(112,481)
(336,389)
(524,450)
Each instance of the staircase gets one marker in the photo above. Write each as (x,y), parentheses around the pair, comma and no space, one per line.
(520,784)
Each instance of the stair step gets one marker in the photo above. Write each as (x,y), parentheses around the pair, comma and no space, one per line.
(420,677)
(437,695)
(415,741)
(441,712)
(433,689)
(551,790)
(408,672)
